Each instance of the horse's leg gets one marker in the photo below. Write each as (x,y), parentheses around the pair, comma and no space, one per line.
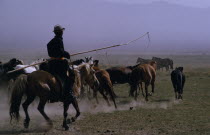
(95,95)
(76,106)
(153,87)
(105,97)
(142,91)
(181,93)
(139,87)
(82,91)
(146,90)
(89,93)
(9,88)
(136,92)
(65,114)
(167,68)
(180,96)
(41,109)
(112,95)
(25,105)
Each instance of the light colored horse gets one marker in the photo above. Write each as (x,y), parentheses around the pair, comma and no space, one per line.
(31,69)
(84,75)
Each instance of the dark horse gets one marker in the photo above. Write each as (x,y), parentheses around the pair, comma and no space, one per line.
(39,84)
(178,81)
(161,63)
(119,75)
(6,67)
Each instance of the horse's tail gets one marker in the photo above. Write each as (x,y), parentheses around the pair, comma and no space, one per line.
(135,77)
(77,84)
(18,90)
(110,90)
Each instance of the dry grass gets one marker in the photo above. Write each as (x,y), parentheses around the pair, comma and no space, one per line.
(161,115)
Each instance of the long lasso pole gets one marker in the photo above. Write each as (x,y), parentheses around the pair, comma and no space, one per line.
(146,34)
(112,45)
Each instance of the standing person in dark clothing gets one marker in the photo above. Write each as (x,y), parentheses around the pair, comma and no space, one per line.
(58,65)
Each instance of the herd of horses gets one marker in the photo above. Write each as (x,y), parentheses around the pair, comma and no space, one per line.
(161,62)
(35,81)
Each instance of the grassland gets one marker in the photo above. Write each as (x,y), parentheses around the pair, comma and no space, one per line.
(162,114)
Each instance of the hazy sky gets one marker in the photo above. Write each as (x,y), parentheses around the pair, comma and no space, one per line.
(192,3)
(174,25)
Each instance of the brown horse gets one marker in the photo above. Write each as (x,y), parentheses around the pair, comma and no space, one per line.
(105,85)
(40,84)
(143,73)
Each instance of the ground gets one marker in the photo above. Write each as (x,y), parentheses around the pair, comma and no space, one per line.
(162,114)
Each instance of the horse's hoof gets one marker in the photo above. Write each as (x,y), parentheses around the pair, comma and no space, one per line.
(50,123)
(72,119)
(68,121)
(26,123)
(66,127)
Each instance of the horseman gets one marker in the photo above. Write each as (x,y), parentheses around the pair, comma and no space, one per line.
(59,67)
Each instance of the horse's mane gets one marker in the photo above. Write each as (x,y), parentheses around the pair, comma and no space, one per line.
(132,67)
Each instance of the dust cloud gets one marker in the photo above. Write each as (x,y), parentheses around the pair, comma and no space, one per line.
(86,106)
(90,106)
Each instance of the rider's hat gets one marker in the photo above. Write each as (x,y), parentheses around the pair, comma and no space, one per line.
(58,28)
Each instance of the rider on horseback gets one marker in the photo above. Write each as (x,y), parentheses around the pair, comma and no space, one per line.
(58,65)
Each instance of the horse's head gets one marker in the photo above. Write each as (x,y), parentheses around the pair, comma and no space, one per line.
(81,61)
(89,60)
(14,62)
(77,62)
(153,64)
(95,63)
(180,69)
(171,63)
